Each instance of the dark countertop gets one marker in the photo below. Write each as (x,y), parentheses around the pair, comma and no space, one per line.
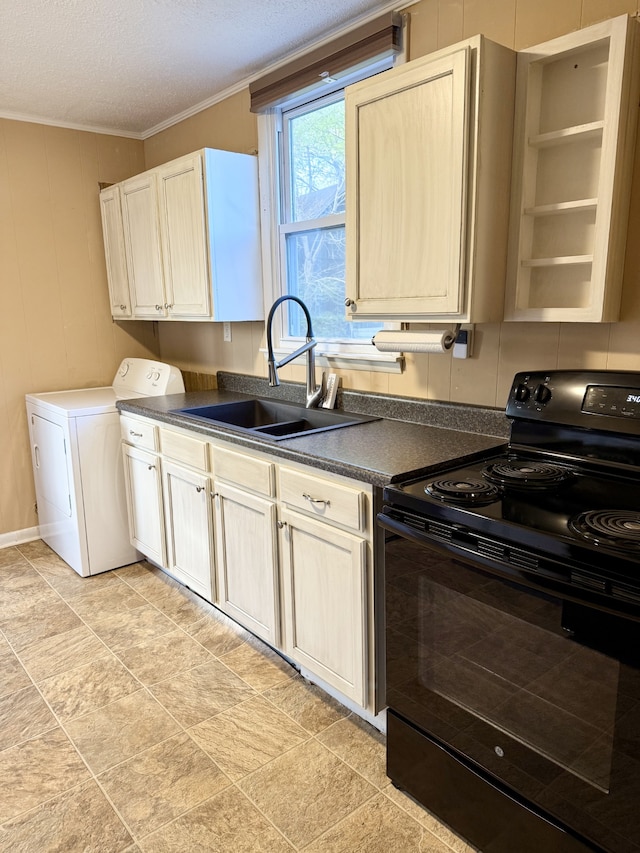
(378,452)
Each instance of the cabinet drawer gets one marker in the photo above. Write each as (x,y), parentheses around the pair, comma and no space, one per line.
(139,433)
(247,471)
(322,498)
(184,448)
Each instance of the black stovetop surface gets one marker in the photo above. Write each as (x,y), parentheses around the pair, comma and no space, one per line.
(538,517)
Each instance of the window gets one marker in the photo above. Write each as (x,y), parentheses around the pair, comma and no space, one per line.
(301,128)
(312,219)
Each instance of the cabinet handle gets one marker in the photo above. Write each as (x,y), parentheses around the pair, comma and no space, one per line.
(281,524)
(199,489)
(158,307)
(168,305)
(123,307)
(214,495)
(349,303)
(137,434)
(315,500)
(151,467)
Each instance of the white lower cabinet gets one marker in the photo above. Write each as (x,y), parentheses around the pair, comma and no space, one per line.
(282,549)
(247,560)
(189,526)
(169,503)
(144,502)
(324,574)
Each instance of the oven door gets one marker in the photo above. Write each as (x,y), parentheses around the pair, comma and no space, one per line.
(536,695)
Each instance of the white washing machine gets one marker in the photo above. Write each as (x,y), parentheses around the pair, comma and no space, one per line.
(77,465)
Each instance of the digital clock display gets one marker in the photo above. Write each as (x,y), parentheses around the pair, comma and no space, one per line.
(615,402)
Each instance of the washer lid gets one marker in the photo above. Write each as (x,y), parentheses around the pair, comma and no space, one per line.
(84,401)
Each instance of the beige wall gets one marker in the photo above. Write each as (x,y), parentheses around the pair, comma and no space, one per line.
(502,348)
(55,322)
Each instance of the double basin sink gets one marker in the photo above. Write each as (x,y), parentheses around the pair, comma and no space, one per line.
(272,419)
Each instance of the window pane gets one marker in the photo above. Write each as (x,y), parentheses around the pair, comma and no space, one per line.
(315,272)
(316,142)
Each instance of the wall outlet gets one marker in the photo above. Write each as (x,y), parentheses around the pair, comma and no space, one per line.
(226,332)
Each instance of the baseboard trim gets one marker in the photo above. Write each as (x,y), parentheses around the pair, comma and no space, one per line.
(19,537)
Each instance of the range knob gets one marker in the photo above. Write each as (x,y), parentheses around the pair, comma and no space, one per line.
(522,393)
(542,394)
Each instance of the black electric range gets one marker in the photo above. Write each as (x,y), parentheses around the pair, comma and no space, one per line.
(513,624)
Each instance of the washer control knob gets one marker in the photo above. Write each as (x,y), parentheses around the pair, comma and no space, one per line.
(522,393)
(542,394)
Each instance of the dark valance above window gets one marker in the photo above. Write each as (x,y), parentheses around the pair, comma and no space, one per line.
(379,37)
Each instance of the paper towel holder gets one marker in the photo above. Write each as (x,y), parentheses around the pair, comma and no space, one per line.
(450,340)
(415,341)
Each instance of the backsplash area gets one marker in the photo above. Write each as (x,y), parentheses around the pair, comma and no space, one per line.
(199,381)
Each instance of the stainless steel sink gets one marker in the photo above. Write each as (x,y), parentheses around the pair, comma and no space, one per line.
(271,418)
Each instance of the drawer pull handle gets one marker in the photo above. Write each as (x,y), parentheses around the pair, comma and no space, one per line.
(199,489)
(158,307)
(151,467)
(214,495)
(123,307)
(137,434)
(315,500)
(281,524)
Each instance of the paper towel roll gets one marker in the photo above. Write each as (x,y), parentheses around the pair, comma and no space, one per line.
(388,340)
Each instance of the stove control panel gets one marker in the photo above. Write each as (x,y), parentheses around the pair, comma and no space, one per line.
(531,393)
(619,402)
(606,400)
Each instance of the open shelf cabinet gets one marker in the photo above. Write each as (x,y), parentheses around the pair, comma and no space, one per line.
(576,115)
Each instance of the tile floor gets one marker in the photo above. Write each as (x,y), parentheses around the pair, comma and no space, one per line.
(136,717)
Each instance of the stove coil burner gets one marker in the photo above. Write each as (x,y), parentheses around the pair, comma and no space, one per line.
(470,491)
(614,528)
(526,475)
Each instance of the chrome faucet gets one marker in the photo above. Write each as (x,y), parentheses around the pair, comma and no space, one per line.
(314,395)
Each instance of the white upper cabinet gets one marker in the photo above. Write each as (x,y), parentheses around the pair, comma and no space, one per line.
(192,239)
(182,229)
(142,243)
(428,166)
(114,252)
(574,141)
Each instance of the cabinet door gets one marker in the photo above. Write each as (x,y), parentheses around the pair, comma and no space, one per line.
(142,244)
(406,149)
(189,523)
(324,595)
(247,560)
(144,502)
(113,234)
(182,227)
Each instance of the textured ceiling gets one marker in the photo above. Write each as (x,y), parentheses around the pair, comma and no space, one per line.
(130,66)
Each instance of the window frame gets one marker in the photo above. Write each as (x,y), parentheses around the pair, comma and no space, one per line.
(335,353)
